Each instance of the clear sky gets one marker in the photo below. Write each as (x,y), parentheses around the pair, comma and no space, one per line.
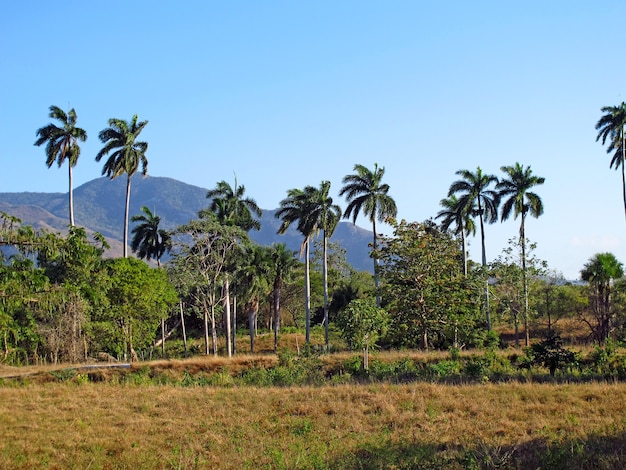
(285,94)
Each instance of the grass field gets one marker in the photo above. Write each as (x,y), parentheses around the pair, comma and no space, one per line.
(78,424)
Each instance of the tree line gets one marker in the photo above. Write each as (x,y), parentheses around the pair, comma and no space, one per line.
(61,299)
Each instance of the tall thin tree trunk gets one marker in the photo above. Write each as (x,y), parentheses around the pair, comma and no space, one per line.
(522,235)
(276,306)
(464,248)
(182,322)
(126,211)
(226,294)
(206,327)
(234,325)
(325,275)
(213,328)
(484,264)
(307,293)
(376,265)
(71,202)
(623,171)
(252,313)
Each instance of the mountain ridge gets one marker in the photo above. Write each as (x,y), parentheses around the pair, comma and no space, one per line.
(99,207)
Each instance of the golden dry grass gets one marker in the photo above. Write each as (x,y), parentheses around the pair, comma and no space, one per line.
(115,426)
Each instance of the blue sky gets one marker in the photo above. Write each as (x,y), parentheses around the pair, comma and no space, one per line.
(285,94)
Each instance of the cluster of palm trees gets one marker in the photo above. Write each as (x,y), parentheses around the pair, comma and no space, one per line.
(475,195)
(120,140)
(486,196)
(313,211)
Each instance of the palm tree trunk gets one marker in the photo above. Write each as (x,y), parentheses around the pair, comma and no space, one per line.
(325,276)
(522,235)
(484,263)
(206,328)
(276,313)
(71,202)
(376,264)
(126,211)
(464,248)
(307,292)
(623,171)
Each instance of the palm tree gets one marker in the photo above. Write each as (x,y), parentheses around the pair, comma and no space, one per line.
(149,241)
(477,199)
(62,144)
(232,208)
(120,138)
(366,193)
(255,272)
(600,271)
(612,126)
(296,207)
(283,261)
(518,199)
(455,213)
(326,216)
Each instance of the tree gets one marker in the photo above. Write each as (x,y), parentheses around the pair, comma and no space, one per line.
(454,212)
(127,154)
(478,199)
(149,241)
(361,324)
(326,216)
(283,261)
(430,301)
(231,208)
(612,126)
(600,271)
(201,253)
(365,192)
(139,298)
(62,144)
(296,207)
(515,190)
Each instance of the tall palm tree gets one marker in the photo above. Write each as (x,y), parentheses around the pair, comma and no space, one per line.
(326,216)
(612,126)
(62,144)
(232,208)
(515,190)
(283,262)
(365,192)
(296,208)
(120,138)
(149,241)
(479,200)
(454,212)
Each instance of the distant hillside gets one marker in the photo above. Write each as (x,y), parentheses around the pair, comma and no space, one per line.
(99,207)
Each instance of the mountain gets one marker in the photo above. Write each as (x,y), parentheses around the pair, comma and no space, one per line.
(99,207)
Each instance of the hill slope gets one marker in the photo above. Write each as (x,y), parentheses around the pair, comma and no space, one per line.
(99,207)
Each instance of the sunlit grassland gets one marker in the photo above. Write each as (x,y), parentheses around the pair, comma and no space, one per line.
(103,425)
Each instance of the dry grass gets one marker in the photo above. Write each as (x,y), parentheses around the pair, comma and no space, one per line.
(376,426)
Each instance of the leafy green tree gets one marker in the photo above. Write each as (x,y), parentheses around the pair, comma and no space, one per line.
(296,208)
(515,190)
(365,192)
(126,155)
(149,241)
(232,208)
(429,299)
(454,212)
(600,271)
(139,297)
(362,323)
(478,199)
(62,144)
(612,126)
